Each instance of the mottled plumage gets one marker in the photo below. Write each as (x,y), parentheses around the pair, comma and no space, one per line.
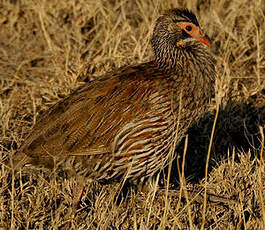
(126,122)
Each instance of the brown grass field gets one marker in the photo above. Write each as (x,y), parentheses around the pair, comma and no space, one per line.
(50,47)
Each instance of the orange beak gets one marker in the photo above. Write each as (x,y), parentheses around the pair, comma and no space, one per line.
(202,37)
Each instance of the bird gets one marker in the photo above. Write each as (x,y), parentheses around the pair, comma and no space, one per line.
(125,123)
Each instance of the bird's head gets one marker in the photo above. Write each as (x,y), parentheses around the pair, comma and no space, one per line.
(177,29)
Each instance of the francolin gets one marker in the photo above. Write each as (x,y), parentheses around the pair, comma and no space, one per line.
(125,123)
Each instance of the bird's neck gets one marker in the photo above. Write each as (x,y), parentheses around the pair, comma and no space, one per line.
(190,60)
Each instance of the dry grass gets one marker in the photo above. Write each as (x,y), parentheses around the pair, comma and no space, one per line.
(47,48)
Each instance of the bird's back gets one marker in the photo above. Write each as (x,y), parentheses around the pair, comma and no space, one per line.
(103,120)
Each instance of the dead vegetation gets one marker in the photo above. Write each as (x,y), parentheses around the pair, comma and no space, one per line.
(48,48)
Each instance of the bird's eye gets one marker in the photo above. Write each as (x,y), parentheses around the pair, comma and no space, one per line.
(188,28)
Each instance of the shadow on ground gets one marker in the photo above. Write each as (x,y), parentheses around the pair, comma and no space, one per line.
(237,129)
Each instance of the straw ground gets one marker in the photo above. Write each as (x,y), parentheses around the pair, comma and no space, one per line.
(49,48)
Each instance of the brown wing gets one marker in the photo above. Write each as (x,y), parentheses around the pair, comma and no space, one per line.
(87,121)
